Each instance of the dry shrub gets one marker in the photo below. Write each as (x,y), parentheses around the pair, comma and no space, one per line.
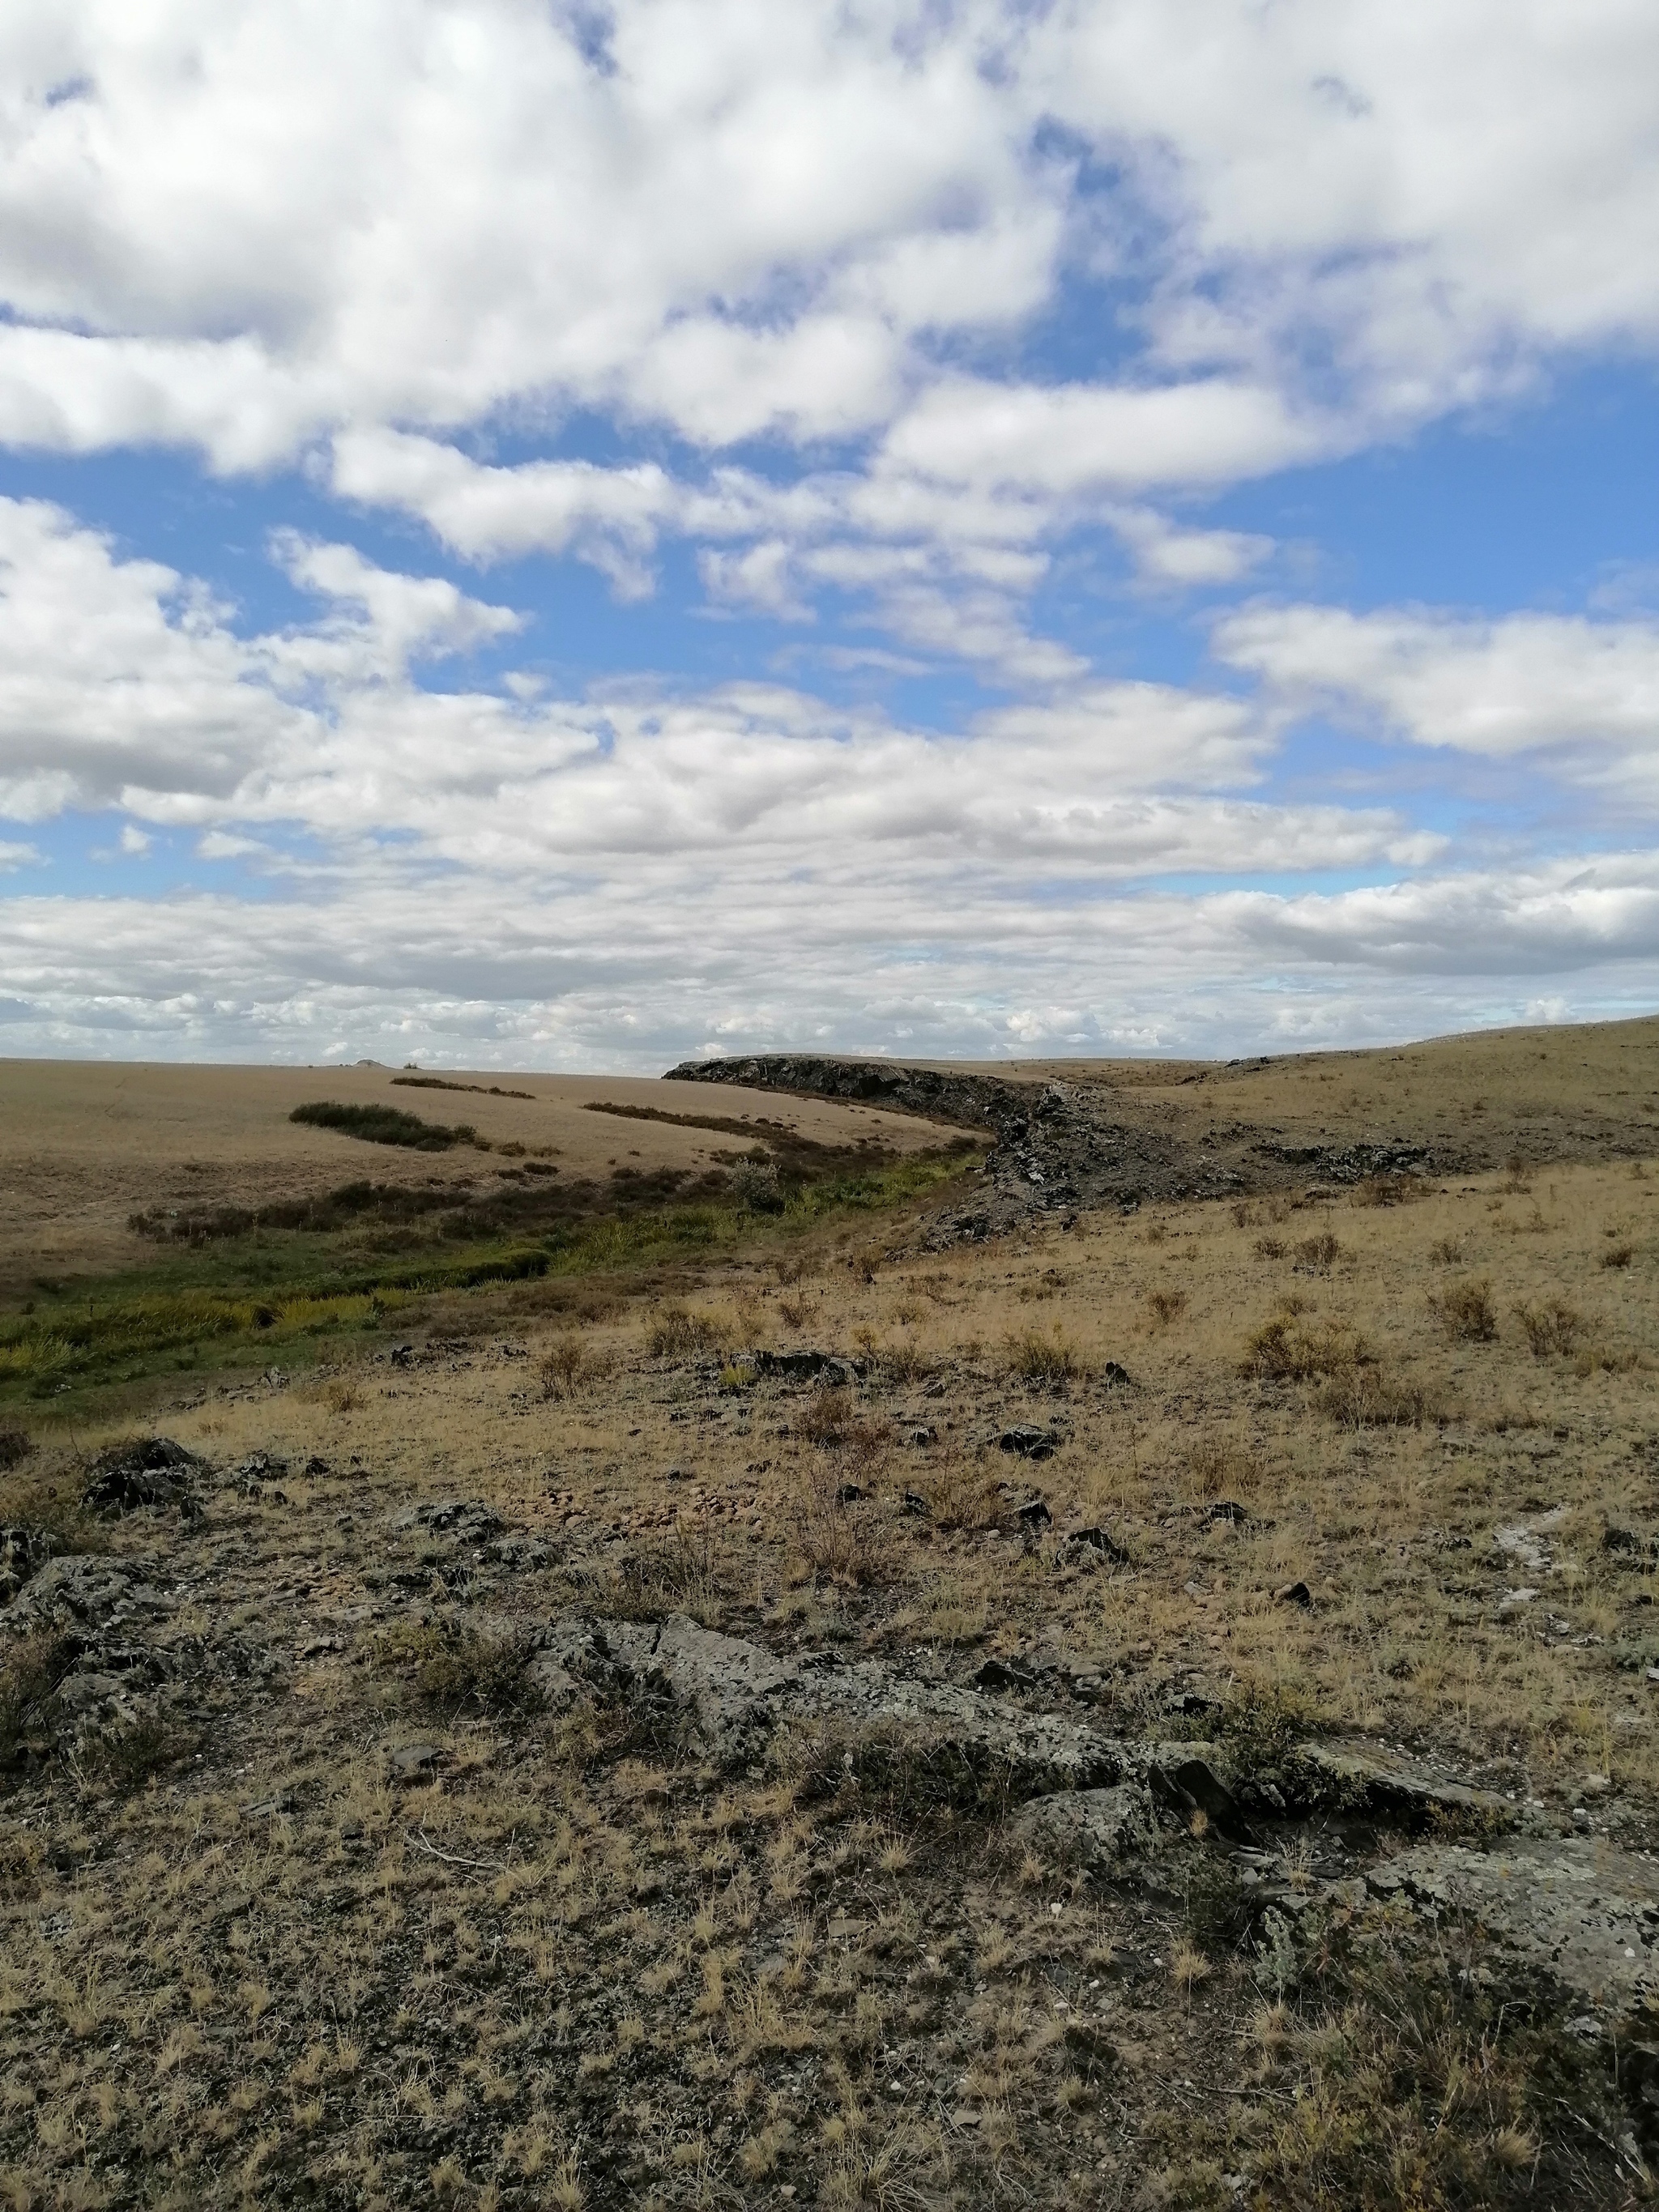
(851,1545)
(568,1367)
(52,1509)
(1616,1255)
(29,1677)
(675,1574)
(1368,1396)
(1465,1309)
(797,1311)
(1270,1247)
(957,1494)
(1283,1350)
(16,1445)
(1514,1180)
(1551,1326)
(455,1668)
(678,1332)
(866,1262)
(1448,1251)
(1222,1468)
(826,1417)
(905,1362)
(1050,1361)
(1166,1306)
(1317,1255)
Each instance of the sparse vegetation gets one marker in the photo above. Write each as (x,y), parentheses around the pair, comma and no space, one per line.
(1048,1360)
(1551,1326)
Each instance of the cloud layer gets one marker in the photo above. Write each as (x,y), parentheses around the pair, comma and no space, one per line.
(876,322)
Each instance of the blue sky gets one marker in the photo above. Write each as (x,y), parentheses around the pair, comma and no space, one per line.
(985,529)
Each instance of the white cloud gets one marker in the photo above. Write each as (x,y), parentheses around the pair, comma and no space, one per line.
(1584,694)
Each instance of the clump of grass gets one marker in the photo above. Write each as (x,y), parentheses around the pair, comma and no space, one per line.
(126,1757)
(1317,1255)
(1270,1247)
(30,1676)
(1514,1182)
(1448,1251)
(16,1445)
(678,1332)
(50,1508)
(1166,1306)
(1371,1396)
(674,1574)
(1465,1309)
(1618,1255)
(1550,1325)
(1049,1361)
(386,1125)
(1221,1468)
(455,1669)
(755,1183)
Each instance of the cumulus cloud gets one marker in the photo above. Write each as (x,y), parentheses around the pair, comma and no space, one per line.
(1582,693)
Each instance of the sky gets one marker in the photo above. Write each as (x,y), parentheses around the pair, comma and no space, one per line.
(540,534)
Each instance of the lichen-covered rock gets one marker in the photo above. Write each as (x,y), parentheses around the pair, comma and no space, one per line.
(87,1591)
(148,1471)
(1106,1831)
(1390,1787)
(1578,1911)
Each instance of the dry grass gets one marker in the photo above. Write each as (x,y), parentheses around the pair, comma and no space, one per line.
(571,1965)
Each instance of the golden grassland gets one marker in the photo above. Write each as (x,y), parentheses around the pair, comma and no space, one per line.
(569,1965)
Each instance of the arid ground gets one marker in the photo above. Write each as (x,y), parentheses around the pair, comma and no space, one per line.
(773,1679)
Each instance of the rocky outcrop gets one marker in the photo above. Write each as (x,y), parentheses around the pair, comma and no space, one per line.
(1579,1911)
(148,1471)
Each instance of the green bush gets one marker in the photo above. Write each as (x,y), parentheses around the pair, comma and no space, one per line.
(385,1125)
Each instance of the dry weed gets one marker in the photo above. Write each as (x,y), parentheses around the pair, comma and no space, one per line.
(1465,1309)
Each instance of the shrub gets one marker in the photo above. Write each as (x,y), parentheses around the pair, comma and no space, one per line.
(1317,1255)
(1050,1361)
(567,1366)
(1465,1309)
(127,1757)
(1551,1326)
(1616,1255)
(1166,1306)
(16,1445)
(1447,1251)
(1270,1247)
(755,1184)
(385,1125)
(1283,1350)
(1385,1189)
(678,1331)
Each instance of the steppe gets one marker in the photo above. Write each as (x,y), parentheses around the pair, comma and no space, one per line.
(1095,1648)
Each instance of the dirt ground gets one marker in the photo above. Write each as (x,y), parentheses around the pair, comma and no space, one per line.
(328,1893)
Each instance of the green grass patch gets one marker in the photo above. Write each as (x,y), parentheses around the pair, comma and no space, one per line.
(216,1305)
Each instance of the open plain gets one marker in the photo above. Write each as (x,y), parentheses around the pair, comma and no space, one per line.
(1078,1633)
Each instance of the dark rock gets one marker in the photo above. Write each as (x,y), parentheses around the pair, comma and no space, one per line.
(922,1437)
(1003,1674)
(1028,1441)
(1293,1593)
(1626,1541)
(850,1493)
(402,1355)
(1116,1377)
(1035,1514)
(1226,1509)
(88,1591)
(16,1445)
(1099,1542)
(807,1366)
(468,1519)
(315,1468)
(914,1502)
(151,1471)
(414,1763)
